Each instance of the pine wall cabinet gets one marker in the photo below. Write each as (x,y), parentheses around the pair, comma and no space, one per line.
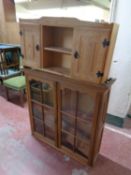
(69,47)
(66,63)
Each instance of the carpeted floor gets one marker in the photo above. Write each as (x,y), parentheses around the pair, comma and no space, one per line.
(21,154)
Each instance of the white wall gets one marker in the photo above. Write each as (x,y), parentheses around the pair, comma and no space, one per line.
(88,13)
(120,98)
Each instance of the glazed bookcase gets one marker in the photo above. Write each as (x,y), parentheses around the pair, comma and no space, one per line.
(66,63)
(67,114)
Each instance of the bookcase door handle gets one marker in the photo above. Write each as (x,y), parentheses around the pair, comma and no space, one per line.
(37,47)
(20,32)
(76,55)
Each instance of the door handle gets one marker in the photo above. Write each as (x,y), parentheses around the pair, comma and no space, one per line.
(76,55)
(37,47)
(20,32)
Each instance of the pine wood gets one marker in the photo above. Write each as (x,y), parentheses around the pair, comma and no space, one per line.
(108,60)
(59,49)
(69,43)
(92,55)
(30,38)
(67,101)
(94,125)
(58,71)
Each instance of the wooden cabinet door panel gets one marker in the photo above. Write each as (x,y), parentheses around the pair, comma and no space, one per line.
(89,53)
(30,39)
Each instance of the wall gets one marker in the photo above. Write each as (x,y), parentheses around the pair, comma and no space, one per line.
(9,28)
(120,98)
(74,8)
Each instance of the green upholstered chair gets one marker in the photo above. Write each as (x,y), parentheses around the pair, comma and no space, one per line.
(16,83)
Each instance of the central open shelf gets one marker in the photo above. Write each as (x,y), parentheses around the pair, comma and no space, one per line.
(58,70)
(59,50)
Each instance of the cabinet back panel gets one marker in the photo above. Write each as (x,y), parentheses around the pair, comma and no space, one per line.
(57,36)
(62,60)
(58,63)
(57,60)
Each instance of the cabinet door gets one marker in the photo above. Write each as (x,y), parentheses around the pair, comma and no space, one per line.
(89,53)
(76,113)
(43,109)
(30,41)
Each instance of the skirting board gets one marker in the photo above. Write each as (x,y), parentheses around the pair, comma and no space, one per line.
(115,120)
(129,115)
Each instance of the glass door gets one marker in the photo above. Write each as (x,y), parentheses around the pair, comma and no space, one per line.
(76,113)
(42,95)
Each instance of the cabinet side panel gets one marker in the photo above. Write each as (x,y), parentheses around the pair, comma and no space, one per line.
(100,125)
(110,52)
(29,103)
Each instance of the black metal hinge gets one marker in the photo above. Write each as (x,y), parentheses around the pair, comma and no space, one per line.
(105,43)
(99,74)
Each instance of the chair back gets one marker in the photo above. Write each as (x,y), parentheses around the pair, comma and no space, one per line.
(9,62)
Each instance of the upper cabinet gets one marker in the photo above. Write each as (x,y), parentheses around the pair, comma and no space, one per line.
(31,46)
(69,47)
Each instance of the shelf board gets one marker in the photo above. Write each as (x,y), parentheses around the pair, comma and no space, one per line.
(42,104)
(58,70)
(68,114)
(59,49)
(40,120)
(68,133)
(87,141)
(12,65)
(87,121)
(35,89)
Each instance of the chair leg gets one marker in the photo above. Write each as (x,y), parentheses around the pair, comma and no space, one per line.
(22,98)
(6,93)
(1,81)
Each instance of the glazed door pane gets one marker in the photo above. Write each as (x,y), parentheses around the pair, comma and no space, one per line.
(47,94)
(82,148)
(50,133)
(77,111)
(85,106)
(49,118)
(42,95)
(67,141)
(68,101)
(83,130)
(68,124)
(37,111)
(39,126)
(35,88)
